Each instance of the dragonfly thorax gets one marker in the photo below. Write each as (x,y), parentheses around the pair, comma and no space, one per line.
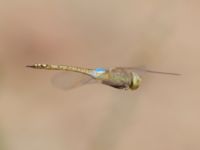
(117,78)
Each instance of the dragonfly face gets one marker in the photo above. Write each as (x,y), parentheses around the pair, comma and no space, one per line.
(136,80)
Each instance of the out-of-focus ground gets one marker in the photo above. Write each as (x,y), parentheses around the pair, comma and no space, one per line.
(161,35)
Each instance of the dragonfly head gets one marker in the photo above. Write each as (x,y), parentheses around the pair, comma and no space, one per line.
(135,83)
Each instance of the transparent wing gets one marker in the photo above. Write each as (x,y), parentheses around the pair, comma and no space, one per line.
(143,71)
(69,80)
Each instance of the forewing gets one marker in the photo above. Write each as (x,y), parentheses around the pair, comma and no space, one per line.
(69,80)
(142,71)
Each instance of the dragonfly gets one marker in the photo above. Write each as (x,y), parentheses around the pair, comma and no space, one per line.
(127,78)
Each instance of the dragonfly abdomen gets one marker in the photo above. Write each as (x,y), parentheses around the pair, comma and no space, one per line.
(62,68)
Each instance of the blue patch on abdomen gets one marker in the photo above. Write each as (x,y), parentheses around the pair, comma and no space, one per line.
(100,70)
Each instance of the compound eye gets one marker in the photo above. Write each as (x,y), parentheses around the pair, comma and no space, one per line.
(136,80)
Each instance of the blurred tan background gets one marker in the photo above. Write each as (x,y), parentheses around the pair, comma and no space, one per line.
(162,114)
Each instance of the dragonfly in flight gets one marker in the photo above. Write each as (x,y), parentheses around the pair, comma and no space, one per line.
(127,78)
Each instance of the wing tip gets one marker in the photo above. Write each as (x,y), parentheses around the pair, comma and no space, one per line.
(164,73)
(30,66)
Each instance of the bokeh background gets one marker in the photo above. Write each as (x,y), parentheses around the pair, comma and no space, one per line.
(160,35)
